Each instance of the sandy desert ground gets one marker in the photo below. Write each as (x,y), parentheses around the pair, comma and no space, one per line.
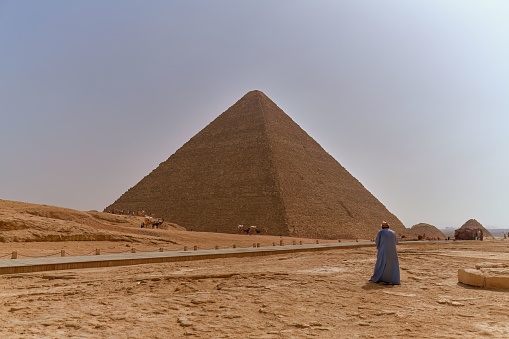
(301,295)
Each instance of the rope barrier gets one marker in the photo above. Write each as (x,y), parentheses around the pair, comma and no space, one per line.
(79,255)
(38,256)
(135,250)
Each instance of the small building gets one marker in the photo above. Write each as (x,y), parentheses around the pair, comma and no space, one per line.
(472,230)
(469,234)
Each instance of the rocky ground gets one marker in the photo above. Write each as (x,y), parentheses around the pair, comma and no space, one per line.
(302,295)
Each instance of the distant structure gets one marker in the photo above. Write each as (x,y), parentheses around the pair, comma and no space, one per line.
(448,231)
(472,230)
(425,231)
(253,165)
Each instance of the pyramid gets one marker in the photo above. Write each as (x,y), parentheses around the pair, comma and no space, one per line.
(254,166)
(474,224)
(427,231)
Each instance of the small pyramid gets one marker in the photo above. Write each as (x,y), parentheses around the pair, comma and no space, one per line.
(474,224)
(427,231)
(254,166)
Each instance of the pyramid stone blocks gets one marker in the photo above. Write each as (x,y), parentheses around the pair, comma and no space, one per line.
(253,165)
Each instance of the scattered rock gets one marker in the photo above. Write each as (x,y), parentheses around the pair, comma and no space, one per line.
(184,322)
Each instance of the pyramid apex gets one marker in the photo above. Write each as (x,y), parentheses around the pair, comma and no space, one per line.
(255,95)
(256,92)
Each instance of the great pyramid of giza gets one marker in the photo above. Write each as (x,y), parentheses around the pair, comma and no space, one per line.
(253,165)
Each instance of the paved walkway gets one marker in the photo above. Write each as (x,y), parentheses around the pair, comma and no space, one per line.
(13,266)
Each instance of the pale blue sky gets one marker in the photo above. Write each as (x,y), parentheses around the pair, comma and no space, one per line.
(411,97)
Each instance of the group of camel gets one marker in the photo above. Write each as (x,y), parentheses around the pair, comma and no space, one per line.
(151,222)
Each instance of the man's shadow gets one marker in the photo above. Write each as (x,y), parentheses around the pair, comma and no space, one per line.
(370,285)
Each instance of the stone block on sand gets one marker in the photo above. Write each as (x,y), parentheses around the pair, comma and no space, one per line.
(487,275)
(472,277)
(490,265)
(496,278)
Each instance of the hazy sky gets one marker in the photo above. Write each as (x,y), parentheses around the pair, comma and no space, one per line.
(411,97)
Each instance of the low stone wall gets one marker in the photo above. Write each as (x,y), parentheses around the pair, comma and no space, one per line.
(110,260)
(486,275)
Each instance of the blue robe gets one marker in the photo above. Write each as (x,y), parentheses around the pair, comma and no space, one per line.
(387,264)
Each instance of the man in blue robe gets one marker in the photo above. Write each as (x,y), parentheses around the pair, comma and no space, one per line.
(387,264)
